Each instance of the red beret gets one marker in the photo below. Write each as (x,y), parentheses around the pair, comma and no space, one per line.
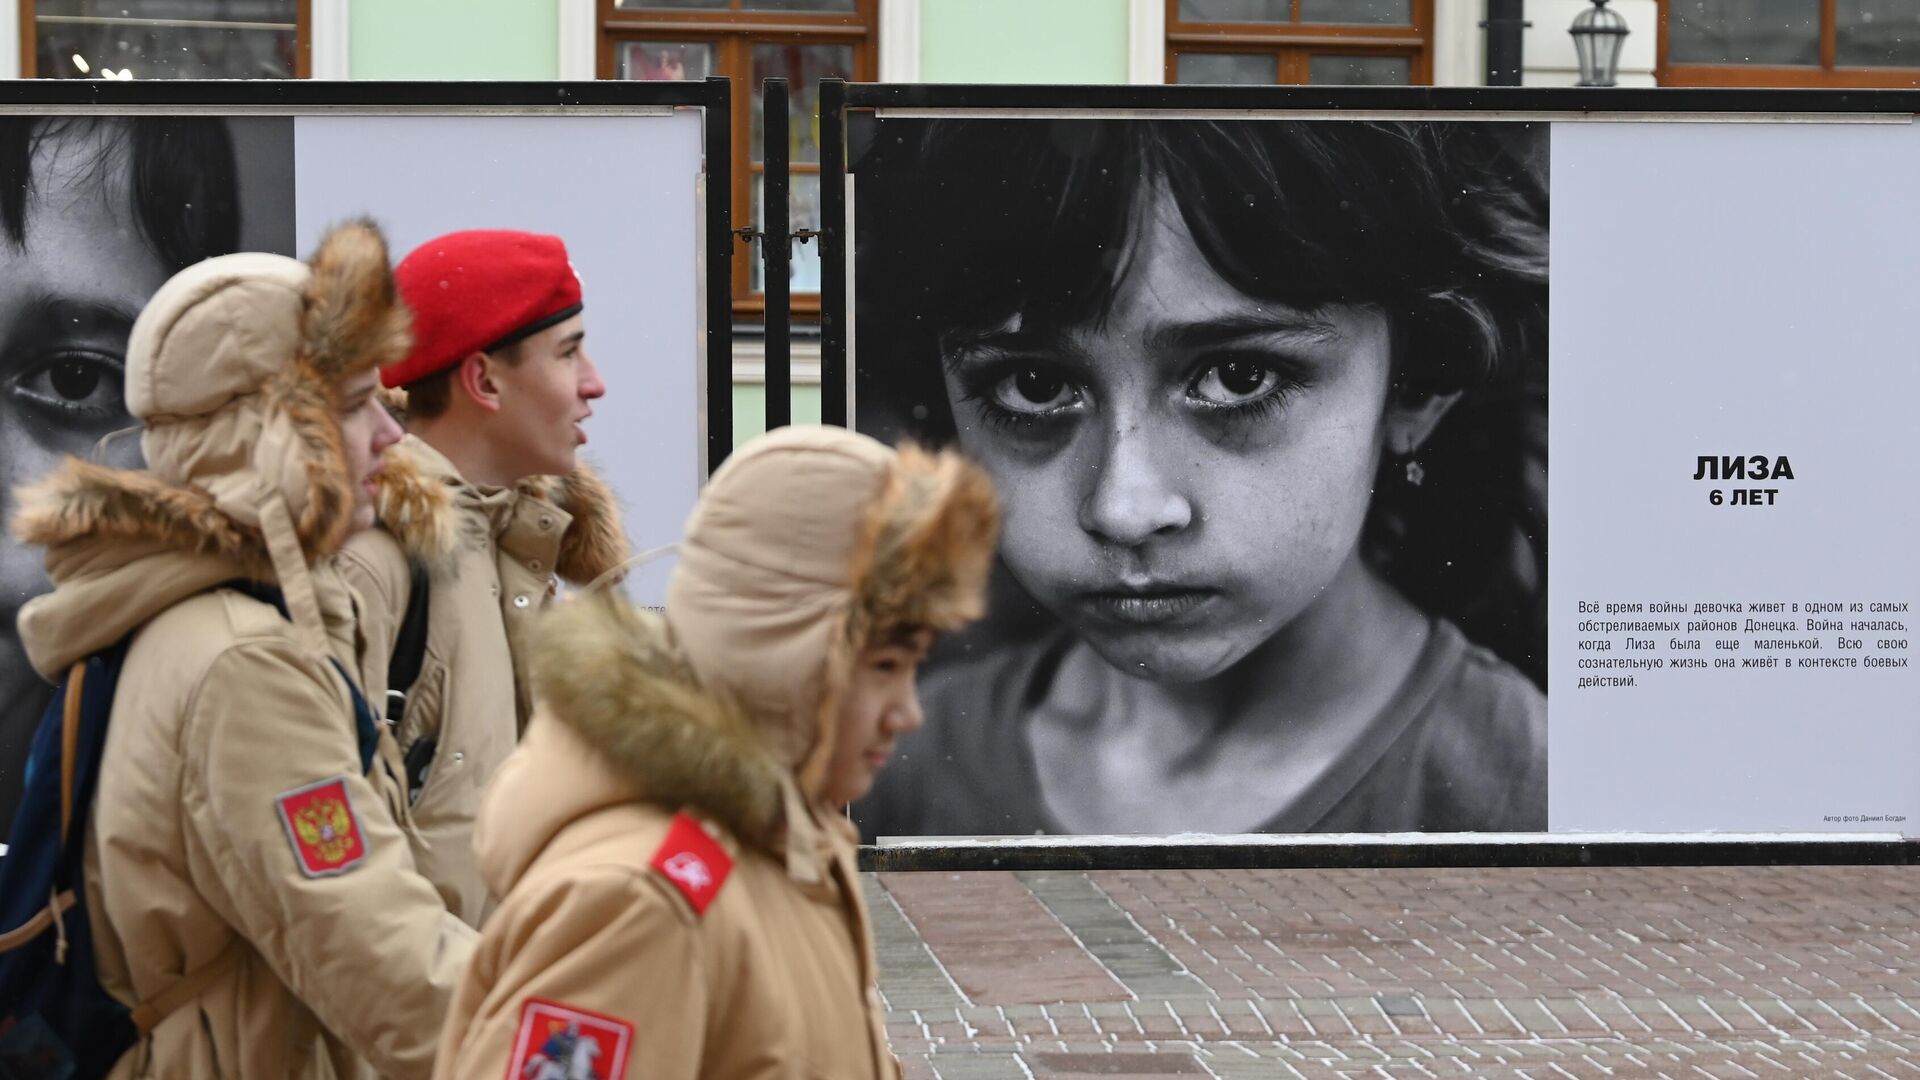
(480,290)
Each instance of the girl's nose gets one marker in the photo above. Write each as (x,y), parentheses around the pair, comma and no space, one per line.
(905,717)
(1133,496)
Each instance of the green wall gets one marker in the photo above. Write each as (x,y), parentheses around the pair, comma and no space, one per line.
(454,39)
(750,408)
(1023,41)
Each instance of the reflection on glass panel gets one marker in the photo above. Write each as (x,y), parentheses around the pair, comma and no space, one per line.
(664,61)
(796,5)
(1877,33)
(1335,70)
(672,5)
(1236,10)
(803,66)
(803,212)
(1376,12)
(1246,69)
(166,39)
(1744,31)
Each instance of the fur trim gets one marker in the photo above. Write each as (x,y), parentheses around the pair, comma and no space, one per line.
(927,545)
(84,501)
(609,670)
(596,542)
(395,400)
(353,319)
(417,507)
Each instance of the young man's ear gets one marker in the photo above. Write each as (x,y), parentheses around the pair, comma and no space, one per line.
(1411,417)
(475,378)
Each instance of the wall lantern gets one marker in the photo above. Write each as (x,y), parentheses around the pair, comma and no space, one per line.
(1598,35)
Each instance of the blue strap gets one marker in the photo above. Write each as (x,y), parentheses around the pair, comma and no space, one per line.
(365,726)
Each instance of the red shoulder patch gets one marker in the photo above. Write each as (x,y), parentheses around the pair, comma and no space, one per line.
(556,1040)
(694,861)
(321,827)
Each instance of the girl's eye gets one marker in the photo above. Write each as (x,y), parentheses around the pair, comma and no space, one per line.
(74,384)
(1235,382)
(1033,392)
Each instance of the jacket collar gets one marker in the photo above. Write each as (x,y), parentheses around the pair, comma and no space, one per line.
(426,504)
(614,679)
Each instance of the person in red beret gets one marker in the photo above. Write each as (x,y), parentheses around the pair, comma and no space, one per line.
(483,507)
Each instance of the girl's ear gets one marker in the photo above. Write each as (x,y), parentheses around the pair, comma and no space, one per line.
(1411,417)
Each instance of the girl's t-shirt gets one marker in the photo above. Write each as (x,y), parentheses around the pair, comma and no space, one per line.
(1462,747)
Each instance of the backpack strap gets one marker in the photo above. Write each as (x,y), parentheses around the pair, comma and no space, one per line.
(70,743)
(46,917)
(410,645)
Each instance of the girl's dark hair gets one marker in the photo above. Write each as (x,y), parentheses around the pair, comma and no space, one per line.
(960,224)
(184,191)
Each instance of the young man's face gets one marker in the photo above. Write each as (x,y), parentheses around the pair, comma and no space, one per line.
(544,399)
(367,429)
(882,703)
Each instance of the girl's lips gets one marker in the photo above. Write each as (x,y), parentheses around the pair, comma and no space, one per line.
(1145,607)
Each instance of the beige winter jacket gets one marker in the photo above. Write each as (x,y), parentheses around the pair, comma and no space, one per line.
(234,832)
(679,901)
(491,556)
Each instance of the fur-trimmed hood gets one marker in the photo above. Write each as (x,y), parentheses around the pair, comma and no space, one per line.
(421,494)
(805,546)
(234,369)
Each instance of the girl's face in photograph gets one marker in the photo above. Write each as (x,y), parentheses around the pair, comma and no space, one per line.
(1185,475)
(68,298)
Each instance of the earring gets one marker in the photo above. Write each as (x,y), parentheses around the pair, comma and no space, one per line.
(1415,473)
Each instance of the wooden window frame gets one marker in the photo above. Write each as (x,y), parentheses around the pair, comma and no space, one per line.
(1292,45)
(302,40)
(1827,74)
(733,34)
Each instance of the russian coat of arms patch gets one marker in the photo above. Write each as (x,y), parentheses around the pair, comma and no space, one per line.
(321,827)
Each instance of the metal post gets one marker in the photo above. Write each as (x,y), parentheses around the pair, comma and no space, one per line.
(719,179)
(833,252)
(1506,26)
(776,253)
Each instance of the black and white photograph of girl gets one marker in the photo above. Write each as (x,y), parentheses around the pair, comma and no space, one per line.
(96,212)
(1265,403)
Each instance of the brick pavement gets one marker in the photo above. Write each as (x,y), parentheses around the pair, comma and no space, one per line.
(1697,973)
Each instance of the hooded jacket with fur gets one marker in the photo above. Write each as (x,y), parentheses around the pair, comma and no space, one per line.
(234,835)
(491,556)
(756,961)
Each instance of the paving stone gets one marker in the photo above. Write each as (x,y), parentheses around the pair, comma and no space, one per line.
(1690,972)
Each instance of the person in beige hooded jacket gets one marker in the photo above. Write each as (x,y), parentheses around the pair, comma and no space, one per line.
(681,893)
(252,895)
(485,500)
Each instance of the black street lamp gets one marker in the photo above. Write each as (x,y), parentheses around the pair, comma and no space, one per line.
(1597,37)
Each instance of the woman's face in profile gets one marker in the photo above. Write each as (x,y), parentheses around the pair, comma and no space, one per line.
(1182,477)
(68,298)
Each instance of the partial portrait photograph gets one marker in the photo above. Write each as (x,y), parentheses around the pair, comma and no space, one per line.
(1265,402)
(96,212)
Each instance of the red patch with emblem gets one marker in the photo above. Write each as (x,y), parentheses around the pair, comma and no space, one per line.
(561,1042)
(320,824)
(694,861)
